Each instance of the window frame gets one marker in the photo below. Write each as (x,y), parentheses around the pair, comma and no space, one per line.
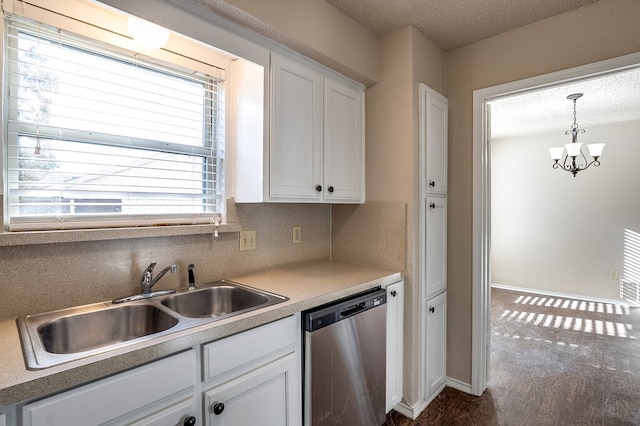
(123,220)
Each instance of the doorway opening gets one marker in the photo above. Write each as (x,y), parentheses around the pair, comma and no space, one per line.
(482,218)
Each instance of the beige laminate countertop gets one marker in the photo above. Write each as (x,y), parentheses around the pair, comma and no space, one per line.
(306,286)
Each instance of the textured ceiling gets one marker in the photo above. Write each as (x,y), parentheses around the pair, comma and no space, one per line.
(456,23)
(453,23)
(608,99)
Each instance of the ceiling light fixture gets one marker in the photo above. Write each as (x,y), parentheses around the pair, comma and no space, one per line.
(147,34)
(578,161)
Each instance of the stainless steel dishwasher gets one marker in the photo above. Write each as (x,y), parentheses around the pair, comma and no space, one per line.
(345,361)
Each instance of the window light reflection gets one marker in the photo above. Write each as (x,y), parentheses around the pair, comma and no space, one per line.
(586,325)
(576,305)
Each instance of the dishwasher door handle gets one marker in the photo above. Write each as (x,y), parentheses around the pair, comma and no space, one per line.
(353,309)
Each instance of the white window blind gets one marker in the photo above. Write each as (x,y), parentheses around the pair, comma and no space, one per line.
(98,137)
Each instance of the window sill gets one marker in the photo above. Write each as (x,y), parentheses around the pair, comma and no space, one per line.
(78,235)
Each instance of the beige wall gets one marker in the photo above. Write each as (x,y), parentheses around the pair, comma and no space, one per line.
(533,212)
(314,28)
(406,58)
(603,30)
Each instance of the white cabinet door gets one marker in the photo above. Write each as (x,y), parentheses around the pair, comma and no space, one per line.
(435,245)
(317,136)
(296,132)
(436,344)
(268,396)
(435,134)
(395,320)
(343,143)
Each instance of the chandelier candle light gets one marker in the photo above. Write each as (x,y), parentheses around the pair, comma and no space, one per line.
(578,161)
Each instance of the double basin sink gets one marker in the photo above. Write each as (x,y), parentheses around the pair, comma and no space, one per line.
(57,337)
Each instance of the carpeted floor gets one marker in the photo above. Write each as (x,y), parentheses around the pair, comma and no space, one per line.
(554,361)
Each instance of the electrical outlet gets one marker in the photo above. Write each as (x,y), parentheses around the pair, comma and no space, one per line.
(613,275)
(297,234)
(247,240)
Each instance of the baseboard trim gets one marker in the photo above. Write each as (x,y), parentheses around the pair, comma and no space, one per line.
(563,295)
(409,411)
(413,411)
(458,385)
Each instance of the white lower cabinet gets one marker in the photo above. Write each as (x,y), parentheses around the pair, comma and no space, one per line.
(436,344)
(265,396)
(159,393)
(254,378)
(395,321)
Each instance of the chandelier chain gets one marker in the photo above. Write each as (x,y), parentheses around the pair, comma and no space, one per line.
(575,124)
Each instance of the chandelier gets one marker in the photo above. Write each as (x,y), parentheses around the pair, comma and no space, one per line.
(574,160)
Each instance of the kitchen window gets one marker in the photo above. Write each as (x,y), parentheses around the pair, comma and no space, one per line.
(99,137)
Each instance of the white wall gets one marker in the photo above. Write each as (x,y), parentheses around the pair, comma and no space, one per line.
(554,232)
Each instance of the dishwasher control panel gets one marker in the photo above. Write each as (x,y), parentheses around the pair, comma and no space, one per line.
(325,315)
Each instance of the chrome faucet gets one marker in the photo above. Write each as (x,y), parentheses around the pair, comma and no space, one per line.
(148,281)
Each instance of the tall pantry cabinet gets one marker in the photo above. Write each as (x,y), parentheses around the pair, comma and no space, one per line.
(433,148)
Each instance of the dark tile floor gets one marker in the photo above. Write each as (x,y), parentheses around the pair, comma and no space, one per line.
(554,361)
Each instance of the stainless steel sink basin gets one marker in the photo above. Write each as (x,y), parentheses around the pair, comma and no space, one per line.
(66,335)
(220,299)
(55,337)
(92,330)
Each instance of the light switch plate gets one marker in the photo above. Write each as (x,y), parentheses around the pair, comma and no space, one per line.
(248,240)
(297,234)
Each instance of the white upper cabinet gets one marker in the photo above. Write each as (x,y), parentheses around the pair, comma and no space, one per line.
(436,118)
(315,149)
(343,143)
(296,131)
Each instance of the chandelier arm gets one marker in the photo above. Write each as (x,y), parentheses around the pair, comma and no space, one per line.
(595,163)
(565,167)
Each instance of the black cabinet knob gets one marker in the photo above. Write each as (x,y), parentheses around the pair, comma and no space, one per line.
(432,206)
(330,189)
(218,408)
(432,309)
(318,188)
(393,293)
(189,421)
(432,183)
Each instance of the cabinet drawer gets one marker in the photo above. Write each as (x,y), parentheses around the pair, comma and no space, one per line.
(234,355)
(109,398)
(172,415)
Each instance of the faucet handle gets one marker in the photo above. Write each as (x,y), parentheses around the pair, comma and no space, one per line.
(147,276)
